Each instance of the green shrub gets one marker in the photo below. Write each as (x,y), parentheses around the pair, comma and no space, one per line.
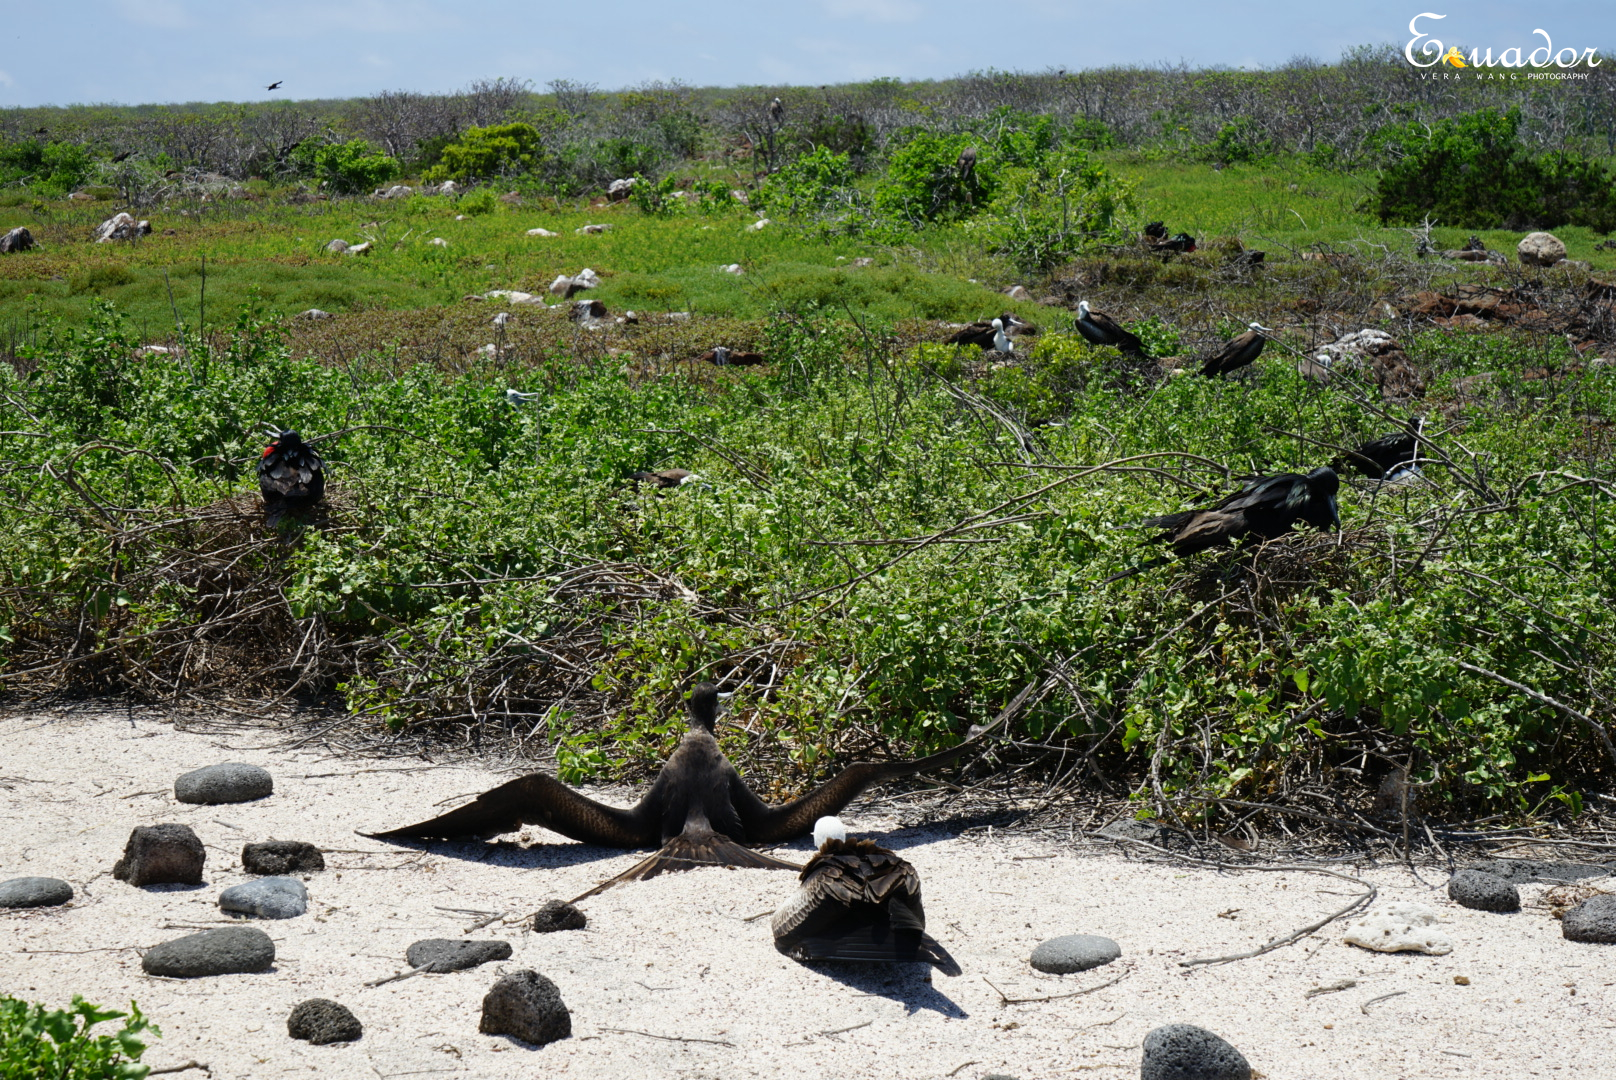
(1473,172)
(55,1044)
(1045,215)
(923,183)
(1239,142)
(483,153)
(346,168)
(815,185)
(53,168)
(479,202)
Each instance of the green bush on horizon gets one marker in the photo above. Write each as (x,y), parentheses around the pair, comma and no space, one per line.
(354,167)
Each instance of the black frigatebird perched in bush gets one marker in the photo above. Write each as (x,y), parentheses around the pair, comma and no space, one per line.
(698,810)
(291,476)
(1098,328)
(1237,353)
(1266,507)
(858,901)
(1386,458)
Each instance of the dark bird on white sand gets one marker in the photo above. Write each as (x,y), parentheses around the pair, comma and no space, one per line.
(698,810)
(858,901)
(1265,507)
(665,478)
(723,356)
(1386,458)
(276,85)
(993,333)
(1238,352)
(1098,328)
(291,476)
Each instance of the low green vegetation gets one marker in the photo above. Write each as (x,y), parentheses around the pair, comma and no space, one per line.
(37,1043)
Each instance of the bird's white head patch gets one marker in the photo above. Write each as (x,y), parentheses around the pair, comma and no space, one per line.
(829,828)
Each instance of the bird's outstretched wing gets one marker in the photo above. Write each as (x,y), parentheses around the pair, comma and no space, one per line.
(537,799)
(690,849)
(767,824)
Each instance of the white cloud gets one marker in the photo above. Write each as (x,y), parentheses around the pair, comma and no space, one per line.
(6,79)
(165,14)
(876,11)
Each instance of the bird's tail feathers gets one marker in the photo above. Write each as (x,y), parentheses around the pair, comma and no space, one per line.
(878,942)
(689,850)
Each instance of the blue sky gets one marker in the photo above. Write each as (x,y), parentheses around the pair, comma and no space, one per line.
(133,51)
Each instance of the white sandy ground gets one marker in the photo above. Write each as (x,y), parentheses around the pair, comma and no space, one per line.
(678,956)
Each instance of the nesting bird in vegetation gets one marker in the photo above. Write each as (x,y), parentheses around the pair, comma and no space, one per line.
(666,478)
(723,356)
(1238,352)
(858,901)
(1098,328)
(1156,239)
(988,335)
(1266,507)
(698,809)
(965,164)
(777,110)
(515,398)
(291,476)
(1386,458)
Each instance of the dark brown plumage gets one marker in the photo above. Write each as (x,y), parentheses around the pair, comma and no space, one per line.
(1237,353)
(965,164)
(1382,458)
(982,334)
(698,809)
(1156,239)
(724,356)
(1098,328)
(858,901)
(665,478)
(1266,507)
(291,477)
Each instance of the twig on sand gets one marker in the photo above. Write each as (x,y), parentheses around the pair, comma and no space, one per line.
(192,1064)
(1333,988)
(1364,1008)
(76,952)
(397,977)
(842,1031)
(1293,937)
(669,1038)
(955,1070)
(1006,999)
(480,923)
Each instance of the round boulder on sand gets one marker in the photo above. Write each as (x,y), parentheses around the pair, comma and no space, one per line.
(281,857)
(1074,952)
(558,915)
(1593,920)
(1540,249)
(1483,892)
(1186,1052)
(230,950)
(441,955)
(160,855)
(27,892)
(229,782)
(267,898)
(321,1020)
(526,1006)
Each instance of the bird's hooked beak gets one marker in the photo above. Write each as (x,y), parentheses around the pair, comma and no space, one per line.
(723,702)
(1335,515)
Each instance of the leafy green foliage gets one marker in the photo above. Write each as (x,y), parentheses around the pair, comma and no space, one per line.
(484,153)
(348,168)
(52,168)
(1046,213)
(924,184)
(55,1044)
(819,185)
(1473,171)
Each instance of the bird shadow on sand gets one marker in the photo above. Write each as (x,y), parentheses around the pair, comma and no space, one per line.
(539,856)
(910,985)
